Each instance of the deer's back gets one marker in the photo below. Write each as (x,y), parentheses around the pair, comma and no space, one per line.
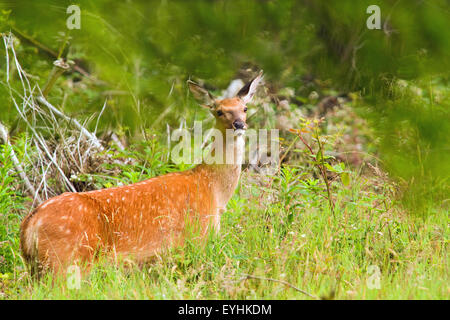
(137,219)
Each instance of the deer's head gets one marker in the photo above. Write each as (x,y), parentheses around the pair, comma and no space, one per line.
(230,113)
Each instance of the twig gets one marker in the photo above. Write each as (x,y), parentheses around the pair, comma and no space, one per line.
(33,106)
(248,276)
(324,173)
(99,116)
(18,166)
(89,135)
(41,140)
(305,143)
(117,141)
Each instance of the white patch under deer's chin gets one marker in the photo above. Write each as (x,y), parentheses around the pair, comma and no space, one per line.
(239,132)
(240,147)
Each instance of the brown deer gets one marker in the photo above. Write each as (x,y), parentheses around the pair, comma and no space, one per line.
(141,219)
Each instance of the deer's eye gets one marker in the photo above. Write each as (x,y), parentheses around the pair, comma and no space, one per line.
(219,113)
(245,109)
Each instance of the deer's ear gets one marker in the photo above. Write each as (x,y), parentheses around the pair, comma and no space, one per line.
(203,97)
(248,91)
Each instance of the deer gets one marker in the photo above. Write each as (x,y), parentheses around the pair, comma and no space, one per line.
(143,219)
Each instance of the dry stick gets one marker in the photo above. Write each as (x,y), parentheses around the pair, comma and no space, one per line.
(117,141)
(99,116)
(43,182)
(89,135)
(7,57)
(18,166)
(248,276)
(83,131)
(8,42)
(168,141)
(59,66)
(28,100)
(80,158)
(43,144)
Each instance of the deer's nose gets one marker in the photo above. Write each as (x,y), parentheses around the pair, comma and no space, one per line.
(239,124)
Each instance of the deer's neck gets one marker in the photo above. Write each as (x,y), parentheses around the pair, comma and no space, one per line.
(223,174)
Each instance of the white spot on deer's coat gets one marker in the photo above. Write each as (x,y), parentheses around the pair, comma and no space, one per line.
(47,203)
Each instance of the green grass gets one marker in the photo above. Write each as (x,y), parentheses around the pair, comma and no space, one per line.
(266,233)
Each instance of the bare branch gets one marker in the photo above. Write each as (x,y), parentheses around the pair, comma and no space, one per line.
(18,166)
(89,135)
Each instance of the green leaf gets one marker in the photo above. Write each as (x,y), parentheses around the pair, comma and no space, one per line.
(319,155)
(330,168)
(345,178)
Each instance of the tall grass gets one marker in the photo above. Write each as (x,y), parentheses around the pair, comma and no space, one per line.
(12,205)
(271,233)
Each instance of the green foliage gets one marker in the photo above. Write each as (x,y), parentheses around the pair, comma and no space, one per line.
(12,203)
(413,126)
